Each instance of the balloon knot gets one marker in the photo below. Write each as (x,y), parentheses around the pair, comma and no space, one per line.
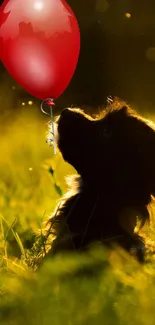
(50,102)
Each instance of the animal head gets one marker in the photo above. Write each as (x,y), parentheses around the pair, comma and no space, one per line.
(116,148)
(114,153)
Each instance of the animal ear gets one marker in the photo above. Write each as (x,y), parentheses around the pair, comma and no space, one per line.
(123,110)
(121,113)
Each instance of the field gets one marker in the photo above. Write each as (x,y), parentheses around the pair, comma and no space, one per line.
(99,287)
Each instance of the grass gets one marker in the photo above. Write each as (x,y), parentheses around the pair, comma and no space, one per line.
(100,287)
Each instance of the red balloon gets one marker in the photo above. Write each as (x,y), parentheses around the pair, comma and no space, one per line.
(39,44)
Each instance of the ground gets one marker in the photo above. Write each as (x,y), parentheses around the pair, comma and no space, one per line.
(121,292)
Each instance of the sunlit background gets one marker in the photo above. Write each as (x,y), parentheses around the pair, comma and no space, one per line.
(117,58)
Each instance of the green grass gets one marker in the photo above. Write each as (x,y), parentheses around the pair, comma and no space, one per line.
(97,288)
(28,191)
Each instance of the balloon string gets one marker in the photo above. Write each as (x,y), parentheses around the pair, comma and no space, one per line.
(49,102)
(54,142)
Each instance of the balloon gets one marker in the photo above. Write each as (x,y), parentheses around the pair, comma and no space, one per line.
(39,44)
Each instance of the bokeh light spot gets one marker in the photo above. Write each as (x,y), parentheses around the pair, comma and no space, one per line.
(128,15)
(30,103)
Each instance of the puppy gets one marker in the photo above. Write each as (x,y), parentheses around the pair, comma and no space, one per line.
(114,156)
